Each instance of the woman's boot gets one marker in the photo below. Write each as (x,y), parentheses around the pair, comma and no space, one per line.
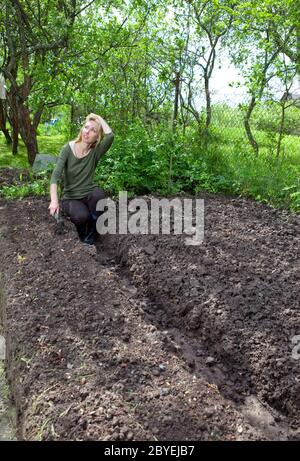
(81,230)
(91,233)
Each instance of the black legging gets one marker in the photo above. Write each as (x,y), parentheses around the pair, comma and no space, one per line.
(79,210)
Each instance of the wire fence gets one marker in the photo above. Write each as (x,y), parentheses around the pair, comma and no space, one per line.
(274,127)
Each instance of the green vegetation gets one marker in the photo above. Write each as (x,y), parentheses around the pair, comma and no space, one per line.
(162,162)
(47,144)
(150,69)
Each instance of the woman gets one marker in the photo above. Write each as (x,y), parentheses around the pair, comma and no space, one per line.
(79,159)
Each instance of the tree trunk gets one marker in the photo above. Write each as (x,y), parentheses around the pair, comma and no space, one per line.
(14,123)
(208,102)
(3,122)
(176,100)
(28,133)
(15,135)
(247,125)
(72,120)
(281,128)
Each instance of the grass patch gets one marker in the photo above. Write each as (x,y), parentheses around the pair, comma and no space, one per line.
(47,145)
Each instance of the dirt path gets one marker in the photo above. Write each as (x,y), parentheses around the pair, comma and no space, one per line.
(145,338)
(7,414)
(7,411)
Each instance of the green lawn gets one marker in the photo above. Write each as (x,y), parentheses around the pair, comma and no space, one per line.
(47,145)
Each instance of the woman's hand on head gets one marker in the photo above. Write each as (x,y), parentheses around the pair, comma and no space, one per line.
(53,207)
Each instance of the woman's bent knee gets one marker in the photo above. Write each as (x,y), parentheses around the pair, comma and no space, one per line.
(76,210)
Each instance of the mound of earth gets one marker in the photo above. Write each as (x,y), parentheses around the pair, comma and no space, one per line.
(144,338)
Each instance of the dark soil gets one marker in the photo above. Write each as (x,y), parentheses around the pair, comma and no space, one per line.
(10,176)
(145,338)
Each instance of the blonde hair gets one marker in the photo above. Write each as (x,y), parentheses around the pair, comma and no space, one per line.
(94,118)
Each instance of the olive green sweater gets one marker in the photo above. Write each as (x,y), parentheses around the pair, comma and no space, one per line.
(79,172)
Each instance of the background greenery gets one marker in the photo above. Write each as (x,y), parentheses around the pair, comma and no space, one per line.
(146,66)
